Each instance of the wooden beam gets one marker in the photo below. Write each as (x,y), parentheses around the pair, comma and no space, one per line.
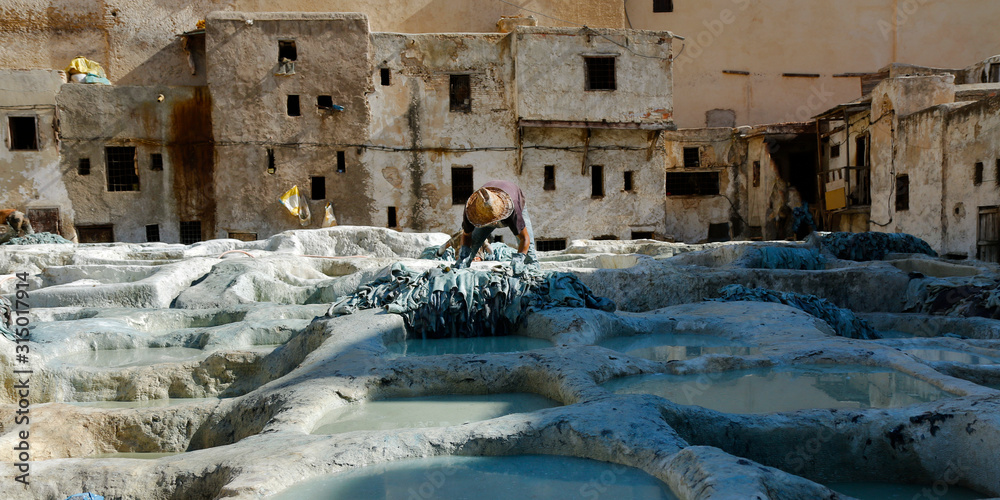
(592,124)
(654,137)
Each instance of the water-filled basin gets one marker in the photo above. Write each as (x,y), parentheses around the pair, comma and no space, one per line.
(676,347)
(427,411)
(135,455)
(149,403)
(485,478)
(785,389)
(470,345)
(121,358)
(950,355)
(892,491)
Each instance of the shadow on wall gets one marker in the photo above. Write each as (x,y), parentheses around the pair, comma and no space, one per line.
(170,65)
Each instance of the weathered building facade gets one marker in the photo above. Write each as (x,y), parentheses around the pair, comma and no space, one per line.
(919,155)
(388,129)
(803,58)
(30,174)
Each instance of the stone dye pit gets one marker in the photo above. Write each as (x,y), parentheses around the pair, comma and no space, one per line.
(268,395)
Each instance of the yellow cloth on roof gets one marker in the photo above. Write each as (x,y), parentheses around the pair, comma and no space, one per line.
(83,65)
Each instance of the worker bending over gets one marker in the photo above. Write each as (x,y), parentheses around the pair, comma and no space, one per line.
(497,204)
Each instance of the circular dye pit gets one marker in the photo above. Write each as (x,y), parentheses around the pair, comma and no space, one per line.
(889,491)
(486,478)
(122,358)
(676,347)
(470,345)
(149,403)
(785,389)
(950,355)
(427,411)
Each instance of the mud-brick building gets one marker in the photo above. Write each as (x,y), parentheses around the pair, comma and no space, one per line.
(389,129)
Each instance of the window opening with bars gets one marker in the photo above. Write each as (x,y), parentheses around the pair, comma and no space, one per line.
(122,174)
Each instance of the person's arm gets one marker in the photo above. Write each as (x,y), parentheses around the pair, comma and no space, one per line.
(523,241)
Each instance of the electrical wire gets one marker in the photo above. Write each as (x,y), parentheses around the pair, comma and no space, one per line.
(584,26)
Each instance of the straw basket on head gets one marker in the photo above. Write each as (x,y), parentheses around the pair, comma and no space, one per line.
(487,206)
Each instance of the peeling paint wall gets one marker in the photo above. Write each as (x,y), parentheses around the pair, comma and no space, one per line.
(972,134)
(136,42)
(250,117)
(906,139)
(413,116)
(31,179)
(93,117)
(688,217)
(937,147)
(552,75)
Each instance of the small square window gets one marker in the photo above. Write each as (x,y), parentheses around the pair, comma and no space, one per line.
(902,192)
(461,185)
(663,5)
(384,75)
(692,157)
(391,222)
(153,233)
(341,161)
(642,235)
(271,168)
(122,175)
(83,166)
(994,73)
(318,191)
(550,244)
(287,51)
(293,106)
(156,161)
(628,181)
(190,232)
(977,176)
(95,234)
(243,236)
(692,183)
(998,172)
(596,181)
(549,183)
(600,73)
(835,151)
(23,133)
(460,93)
(324,102)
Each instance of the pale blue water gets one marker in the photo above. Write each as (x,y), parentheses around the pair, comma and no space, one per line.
(149,403)
(785,389)
(485,478)
(951,355)
(676,347)
(427,411)
(120,358)
(472,345)
(890,491)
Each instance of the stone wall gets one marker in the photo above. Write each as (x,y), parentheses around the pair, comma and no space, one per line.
(174,122)
(251,121)
(30,178)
